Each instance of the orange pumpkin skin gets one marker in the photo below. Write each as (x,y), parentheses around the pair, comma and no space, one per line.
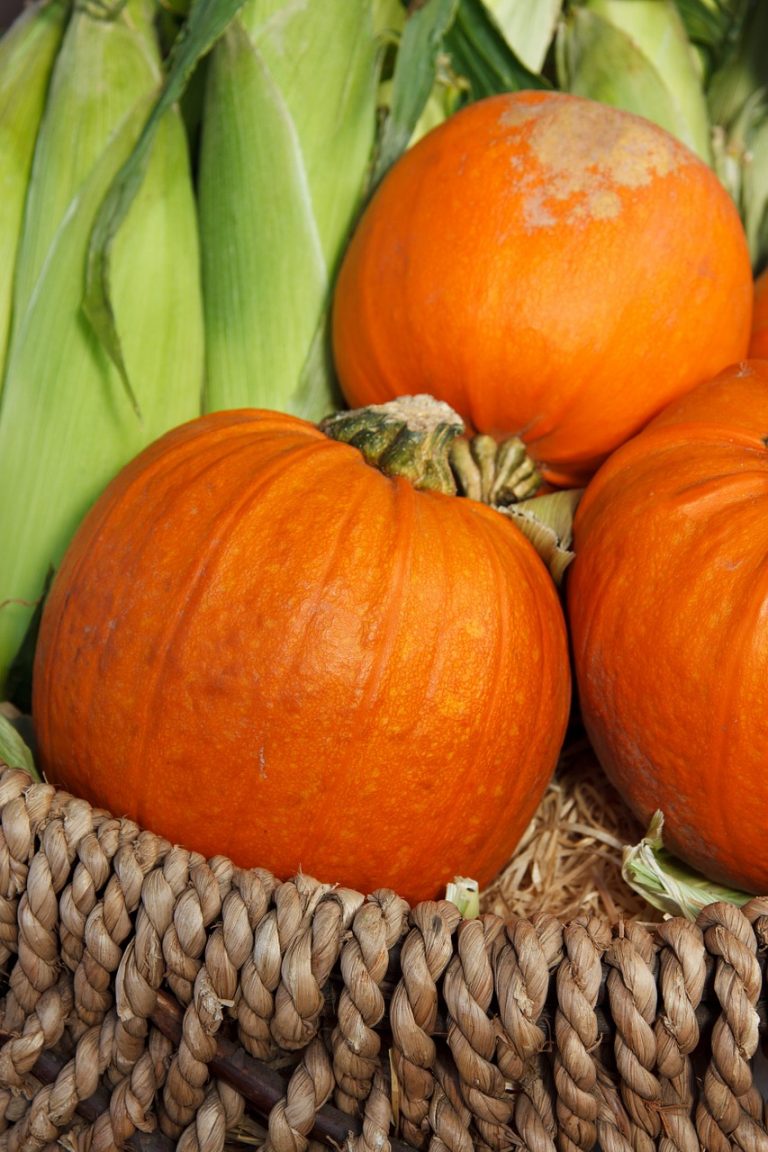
(537,262)
(668,610)
(258,645)
(758,342)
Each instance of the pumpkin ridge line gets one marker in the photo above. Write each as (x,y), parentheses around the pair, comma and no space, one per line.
(193,588)
(403,496)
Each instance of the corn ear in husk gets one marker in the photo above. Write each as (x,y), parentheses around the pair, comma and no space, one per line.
(27,53)
(103,65)
(738,102)
(636,55)
(289,116)
(68,422)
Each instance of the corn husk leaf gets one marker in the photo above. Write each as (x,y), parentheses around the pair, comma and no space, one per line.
(528,28)
(206,23)
(666,882)
(14,752)
(296,164)
(81,118)
(547,521)
(710,24)
(413,82)
(28,50)
(742,65)
(636,56)
(67,424)
(482,55)
(741,162)
(389,18)
(738,100)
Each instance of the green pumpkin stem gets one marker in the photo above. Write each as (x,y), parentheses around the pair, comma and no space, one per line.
(410,436)
(422,439)
(497,472)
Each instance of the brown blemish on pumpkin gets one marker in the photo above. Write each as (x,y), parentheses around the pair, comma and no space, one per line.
(585,155)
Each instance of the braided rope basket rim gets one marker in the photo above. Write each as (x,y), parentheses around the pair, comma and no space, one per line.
(155,999)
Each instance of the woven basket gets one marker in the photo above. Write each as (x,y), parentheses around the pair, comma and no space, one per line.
(153,999)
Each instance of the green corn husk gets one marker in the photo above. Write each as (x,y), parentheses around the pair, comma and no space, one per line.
(289,116)
(27,53)
(416,97)
(103,64)
(528,28)
(635,54)
(13,750)
(738,102)
(67,421)
(741,162)
(666,882)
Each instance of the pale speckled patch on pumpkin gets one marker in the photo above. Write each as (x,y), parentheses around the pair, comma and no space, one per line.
(585,155)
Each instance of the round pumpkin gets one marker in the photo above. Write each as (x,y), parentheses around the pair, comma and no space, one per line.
(259,645)
(758,343)
(553,268)
(668,608)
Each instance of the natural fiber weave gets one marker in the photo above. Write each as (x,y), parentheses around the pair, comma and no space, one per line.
(154,999)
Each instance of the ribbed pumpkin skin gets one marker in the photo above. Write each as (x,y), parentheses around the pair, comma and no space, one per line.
(668,609)
(539,261)
(258,645)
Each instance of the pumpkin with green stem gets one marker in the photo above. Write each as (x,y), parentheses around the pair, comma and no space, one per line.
(261,645)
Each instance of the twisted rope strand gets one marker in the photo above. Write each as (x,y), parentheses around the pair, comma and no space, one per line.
(578,981)
(682,975)
(526,1033)
(728,1110)
(377,926)
(425,954)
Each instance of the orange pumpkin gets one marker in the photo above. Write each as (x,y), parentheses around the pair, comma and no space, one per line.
(758,343)
(668,608)
(552,268)
(260,645)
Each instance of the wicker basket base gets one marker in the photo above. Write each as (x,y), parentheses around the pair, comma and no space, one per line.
(154,999)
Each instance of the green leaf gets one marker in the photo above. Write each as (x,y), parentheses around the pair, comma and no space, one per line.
(738,102)
(741,162)
(712,26)
(481,53)
(743,69)
(666,882)
(206,22)
(413,81)
(14,753)
(528,28)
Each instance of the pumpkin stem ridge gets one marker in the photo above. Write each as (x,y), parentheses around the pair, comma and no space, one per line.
(410,436)
(496,472)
